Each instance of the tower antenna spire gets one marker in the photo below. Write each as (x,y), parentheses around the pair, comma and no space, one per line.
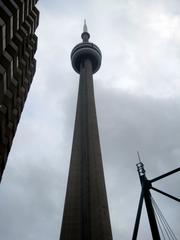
(85,35)
(85,29)
(139,158)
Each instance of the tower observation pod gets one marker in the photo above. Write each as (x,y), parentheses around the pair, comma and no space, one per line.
(84,51)
(86,214)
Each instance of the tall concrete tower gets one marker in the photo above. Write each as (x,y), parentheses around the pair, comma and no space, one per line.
(86,214)
(18,43)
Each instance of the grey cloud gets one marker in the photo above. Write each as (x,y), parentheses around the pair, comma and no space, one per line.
(137,100)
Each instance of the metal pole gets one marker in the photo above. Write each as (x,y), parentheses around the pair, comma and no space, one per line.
(165,175)
(146,185)
(138,216)
(150,210)
(166,194)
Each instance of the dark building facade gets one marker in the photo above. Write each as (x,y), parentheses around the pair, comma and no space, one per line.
(18,43)
(86,214)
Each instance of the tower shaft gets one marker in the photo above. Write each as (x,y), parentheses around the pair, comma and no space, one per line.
(86,215)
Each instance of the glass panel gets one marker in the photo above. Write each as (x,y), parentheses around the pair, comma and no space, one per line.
(18,13)
(11,69)
(3,84)
(11,27)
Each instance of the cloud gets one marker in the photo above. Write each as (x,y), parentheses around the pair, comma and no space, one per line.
(137,99)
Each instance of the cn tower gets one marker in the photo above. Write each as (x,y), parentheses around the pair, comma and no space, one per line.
(86,214)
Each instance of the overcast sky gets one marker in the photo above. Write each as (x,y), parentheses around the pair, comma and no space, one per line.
(137,92)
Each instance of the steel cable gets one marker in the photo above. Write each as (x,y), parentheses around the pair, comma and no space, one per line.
(161,220)
(168,227)
(158,221)
(170,234)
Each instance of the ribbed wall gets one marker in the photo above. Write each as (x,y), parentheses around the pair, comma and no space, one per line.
(18,43)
